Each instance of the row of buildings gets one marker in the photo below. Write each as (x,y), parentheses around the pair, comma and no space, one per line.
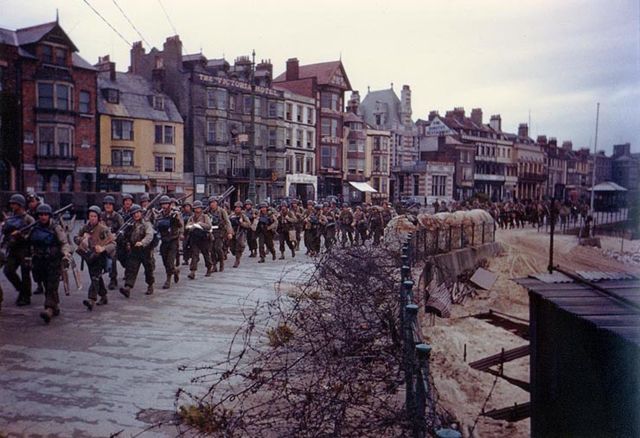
(182,123)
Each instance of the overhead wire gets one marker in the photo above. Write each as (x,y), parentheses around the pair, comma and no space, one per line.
(131,23)
(107,22)
(175,32)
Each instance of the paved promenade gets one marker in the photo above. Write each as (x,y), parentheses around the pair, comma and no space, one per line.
(91,373)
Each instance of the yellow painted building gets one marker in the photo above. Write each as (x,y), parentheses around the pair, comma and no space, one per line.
(141,136)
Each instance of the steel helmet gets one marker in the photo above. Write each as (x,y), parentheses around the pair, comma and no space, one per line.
(164,199)
(127,196)
(197,204)
(95,209)
(264,205)
(238,204)
(135,208)
(248,202)
(213,199)
(17,199)
(44,209)
(144,197)
(109,200)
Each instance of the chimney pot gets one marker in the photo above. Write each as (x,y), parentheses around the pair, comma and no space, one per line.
(293,69)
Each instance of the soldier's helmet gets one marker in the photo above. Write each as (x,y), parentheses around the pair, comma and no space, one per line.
(108,200)
(32,196)
(187,202)
(345,205)
(174,201)
(44,209)
(358,207)
(18,199)
(326,204)
(310,202)
(264,205)
(164,199)
(95,209)
(248,202)
(284,204)
(127,196)
(213,199)
(238,204)
(144,197)
(197,204)
(318,206)
(135,208)
(294,201)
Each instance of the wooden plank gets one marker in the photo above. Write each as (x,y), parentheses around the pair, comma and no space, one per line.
(507,356)
(512,413)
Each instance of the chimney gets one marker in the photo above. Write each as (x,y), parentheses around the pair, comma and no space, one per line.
(553,142)
(523,130)
(567,145)
(136,58)
(542,140)
(457,113)
(405,104)
(476,116)
(354,102)
(496,122)
(104,64)
(293,69)
(433,115)
(172,52)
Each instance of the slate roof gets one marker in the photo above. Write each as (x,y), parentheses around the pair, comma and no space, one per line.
(390,105)
(134,99)
(322,71)
(350,117)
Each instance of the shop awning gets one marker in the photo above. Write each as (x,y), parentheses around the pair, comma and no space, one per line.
(363,187)
(608,186)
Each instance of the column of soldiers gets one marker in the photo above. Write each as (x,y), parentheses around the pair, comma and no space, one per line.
(128,236)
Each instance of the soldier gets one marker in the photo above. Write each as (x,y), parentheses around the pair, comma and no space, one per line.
(144,201)
(198,233)
(240,224)
(33,200)
(49,247)
(96,244)
(376,224)
(387,213)
(297,209)
(114,221)
(313,223)
(121,244)
(127,203)
(305,215)
(360,223)
(17,249)
(264,224)
(346,224)
(221,229)
(186,249)
(169,224)
(329,228)
(287,221)
(138,238)
(252,240)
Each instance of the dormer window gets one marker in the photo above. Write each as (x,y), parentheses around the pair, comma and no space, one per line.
(111,94)
(47,54)
(61,56)
(158,102)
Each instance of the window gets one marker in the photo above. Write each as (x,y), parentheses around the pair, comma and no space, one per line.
(353,146)
(213,164)
(330,101)
(47,54)
(168,134)
(288,163)
(416,185)
(63,97)
(299,164)
(310,116)
(247,105)
(310,139)
(273,109)
(376,165)
(376,184)
(329,127)
(287,136)
(310,168)
(61,56)
(84,106)
(211,131)
(288,111)
(64,142)
(232,102)
(164,164)
(438,185)
(158,136)
(45,95)
(121,157)
(299,135)
(273,137)
(329,157)
(299,113)
(121,129)
(112,95)
(158,103)
(46,140)
(217,98)
(258,104)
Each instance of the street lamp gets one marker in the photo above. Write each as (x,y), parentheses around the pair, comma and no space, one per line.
(252,133)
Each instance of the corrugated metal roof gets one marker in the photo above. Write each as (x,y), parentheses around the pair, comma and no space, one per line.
(615,311)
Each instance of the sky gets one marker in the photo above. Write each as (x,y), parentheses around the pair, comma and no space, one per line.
(546,61)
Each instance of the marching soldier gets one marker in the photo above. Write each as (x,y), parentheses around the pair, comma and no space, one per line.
(169,224)
(264,224)
(33,200)
(346,224)
(138,238)
(121,244)
(297,209)
(287,221)
(114,221)
(308,212)
(387,213)
(313,223)
(17,248)
(252,240)
(127,203)
(49,247)
(240,224)
(96,244)
(186,249)
(360,222)
(329,228)
(198,235)
(376,224)
(221,229)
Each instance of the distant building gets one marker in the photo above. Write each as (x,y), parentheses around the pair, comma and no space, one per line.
(326,82)
(530,165)
(47,112)
(557,161)
(626,168)
(141,135)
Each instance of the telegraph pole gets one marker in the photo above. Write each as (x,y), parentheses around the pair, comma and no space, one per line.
(252,134)
(595,148)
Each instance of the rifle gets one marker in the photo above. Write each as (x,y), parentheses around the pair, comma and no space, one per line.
(222,197)
(53,215)
(74,267)
(130,221)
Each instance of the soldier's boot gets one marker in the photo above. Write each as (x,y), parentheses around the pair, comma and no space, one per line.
(253,253)
(149,290)
(237,262)
(89,304)
(261,260)
(113,283)
(222,264)
(293,253)
(176,275)
(102,301)
(47,315)
(210,270)
(39,290)
(214,268)
(191,275)
(281,255)
(185,261)
(126,291)
(273,254)
(167,283)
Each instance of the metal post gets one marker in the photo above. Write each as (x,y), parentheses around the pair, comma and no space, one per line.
(408,291)
(461,236)
(411,311)
(450,238)
(251,192)
(483,233)
(422,389)
(552,214)
(473,234)
(595,161)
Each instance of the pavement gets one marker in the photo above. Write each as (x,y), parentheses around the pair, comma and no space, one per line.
(94,374)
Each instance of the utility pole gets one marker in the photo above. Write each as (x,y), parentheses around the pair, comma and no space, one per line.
(252,134)
(595,148)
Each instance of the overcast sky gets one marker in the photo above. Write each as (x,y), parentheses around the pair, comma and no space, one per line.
(551,59)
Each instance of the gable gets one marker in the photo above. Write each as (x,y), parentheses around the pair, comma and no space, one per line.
(438,127)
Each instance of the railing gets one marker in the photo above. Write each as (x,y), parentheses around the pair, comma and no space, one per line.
(61,162)
(427,243)
(243,172)
(572,223)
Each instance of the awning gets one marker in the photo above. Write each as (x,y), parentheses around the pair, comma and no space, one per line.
(608,186)
(363,187)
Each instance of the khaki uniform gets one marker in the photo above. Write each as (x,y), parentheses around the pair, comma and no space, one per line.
(140,231)
(220,227)
(265,224)
(114,221)
(48,246)
(17,250)
(346,226)
(170,227)
(240,225)
(287,222)
(313,223)
(198,233)
(88,237)
(329,229)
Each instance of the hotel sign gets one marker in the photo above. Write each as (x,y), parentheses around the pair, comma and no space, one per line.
(239,85)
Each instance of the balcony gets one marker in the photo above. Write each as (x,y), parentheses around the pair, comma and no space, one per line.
(488,177)
(243,173)
(532,177)
(55,162)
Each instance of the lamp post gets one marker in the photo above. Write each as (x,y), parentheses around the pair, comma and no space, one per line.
(252,134)
(595,158)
